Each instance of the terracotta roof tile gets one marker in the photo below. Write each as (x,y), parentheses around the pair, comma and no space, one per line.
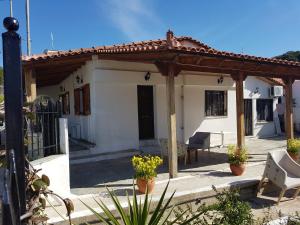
(185,44)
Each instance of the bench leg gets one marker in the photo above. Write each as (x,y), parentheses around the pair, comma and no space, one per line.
(296,193)
(281,195)
(260,185)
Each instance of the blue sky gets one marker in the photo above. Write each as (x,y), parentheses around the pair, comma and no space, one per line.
(257,27)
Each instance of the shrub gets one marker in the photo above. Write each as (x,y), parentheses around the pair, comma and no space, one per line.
(229,210)
(293,146)
(237,158)
(145,166)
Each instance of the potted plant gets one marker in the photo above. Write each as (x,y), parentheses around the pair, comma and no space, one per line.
(145,171)
(237,159)
(293,148)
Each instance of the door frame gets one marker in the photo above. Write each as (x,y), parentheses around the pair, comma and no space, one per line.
(153,112)
(252,121)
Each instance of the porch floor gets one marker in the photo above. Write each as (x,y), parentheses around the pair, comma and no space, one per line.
(118,173)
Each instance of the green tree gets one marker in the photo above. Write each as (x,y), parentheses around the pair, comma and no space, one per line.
(290,55)
(1,75)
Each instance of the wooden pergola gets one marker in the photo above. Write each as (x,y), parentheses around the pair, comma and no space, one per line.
(171,56)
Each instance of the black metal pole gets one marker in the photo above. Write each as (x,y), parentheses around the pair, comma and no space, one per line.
(13,94)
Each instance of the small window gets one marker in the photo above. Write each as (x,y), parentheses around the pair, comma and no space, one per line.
(82,100)
(264,109)
(216,103)
(65,101)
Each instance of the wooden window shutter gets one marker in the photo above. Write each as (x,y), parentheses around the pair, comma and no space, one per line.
(86,99)
(77,101)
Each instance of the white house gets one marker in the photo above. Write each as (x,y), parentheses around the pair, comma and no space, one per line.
(118,104)
(119,89)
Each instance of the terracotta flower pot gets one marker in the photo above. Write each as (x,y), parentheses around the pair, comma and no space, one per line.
(144,184)
(237,170)
(294,156)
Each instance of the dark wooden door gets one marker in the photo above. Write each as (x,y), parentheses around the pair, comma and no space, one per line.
(248,117)
(145,111)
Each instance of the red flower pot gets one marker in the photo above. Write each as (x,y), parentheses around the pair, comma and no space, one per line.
(144,184)
(237,170)
(294,156)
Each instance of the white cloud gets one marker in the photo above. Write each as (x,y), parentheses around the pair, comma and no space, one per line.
(134,18)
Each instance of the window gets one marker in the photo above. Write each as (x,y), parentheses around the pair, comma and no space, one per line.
(264,109)
(65,101)
(82,100)
(216,103)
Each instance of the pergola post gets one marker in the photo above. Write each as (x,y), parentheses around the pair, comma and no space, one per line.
(171,120)
(239,82)
(289,126)
(170,71)
(30,85)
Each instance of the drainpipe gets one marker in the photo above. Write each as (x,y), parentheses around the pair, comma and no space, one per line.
(182,108)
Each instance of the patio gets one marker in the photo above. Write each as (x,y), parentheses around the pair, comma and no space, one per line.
(118,173)
(194,181)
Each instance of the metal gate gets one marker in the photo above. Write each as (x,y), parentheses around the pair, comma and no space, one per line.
(42,128)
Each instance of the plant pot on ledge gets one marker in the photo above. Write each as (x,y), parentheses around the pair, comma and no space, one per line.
(237,159)
(293,148)
(294,156)
(237,169)
(144,185)
(145,171)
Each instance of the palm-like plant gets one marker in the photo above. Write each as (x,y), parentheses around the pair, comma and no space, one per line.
(138,213)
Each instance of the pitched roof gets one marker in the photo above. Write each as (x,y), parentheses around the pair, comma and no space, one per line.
(180,44)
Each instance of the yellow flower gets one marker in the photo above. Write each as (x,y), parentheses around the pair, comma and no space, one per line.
(145,166)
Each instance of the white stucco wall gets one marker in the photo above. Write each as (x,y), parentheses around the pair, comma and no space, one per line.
(51,91)
(113,123)
(260,129)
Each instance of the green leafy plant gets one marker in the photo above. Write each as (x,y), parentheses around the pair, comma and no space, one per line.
(145,166)
(293,146)
(237,157)
(138,213)
(228,210)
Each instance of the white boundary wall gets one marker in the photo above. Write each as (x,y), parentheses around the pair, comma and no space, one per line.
(56,167)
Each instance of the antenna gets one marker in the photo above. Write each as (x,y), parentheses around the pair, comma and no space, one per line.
(11,8)
(28,28)
(52,41)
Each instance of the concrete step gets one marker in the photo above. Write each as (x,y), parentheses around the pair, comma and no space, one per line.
(189,188)
(204,195)
(92,156)
(150,142)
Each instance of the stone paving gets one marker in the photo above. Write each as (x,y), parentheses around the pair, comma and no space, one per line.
(89,180)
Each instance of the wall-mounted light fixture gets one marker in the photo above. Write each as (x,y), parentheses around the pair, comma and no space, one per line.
(147,76)
(256,91)
(79,79)
(221,79)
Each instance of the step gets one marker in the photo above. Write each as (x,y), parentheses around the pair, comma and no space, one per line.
(150,142)
(92,156)
(204,195)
